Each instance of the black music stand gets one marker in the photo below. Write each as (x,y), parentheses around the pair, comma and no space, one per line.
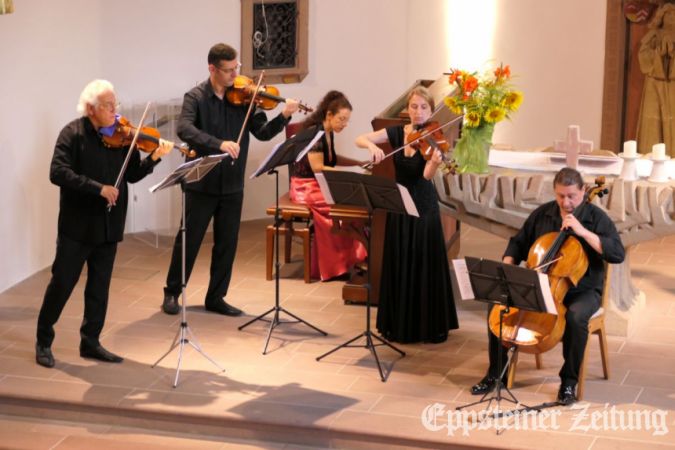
(291,150)
(510,286)
(369,192)
(188,172)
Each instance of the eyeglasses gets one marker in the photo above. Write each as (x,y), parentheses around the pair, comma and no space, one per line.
(109,106)
(230,71)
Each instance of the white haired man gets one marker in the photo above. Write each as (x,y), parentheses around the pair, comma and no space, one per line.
(92,213)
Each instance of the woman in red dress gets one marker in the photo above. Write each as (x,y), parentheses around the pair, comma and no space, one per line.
(332,255)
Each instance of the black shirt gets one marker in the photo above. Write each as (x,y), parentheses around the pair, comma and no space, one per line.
(302,168)
(81,165)
(206,121)
(546,218)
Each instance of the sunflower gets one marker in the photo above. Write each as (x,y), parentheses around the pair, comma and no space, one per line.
(451,103)
(513,100)
(495,114)
(472,119)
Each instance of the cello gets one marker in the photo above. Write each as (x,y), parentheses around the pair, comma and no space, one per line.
(561,256)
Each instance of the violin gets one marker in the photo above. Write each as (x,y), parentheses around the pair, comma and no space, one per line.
(562,257)
(148,138)
(431,130)
(429,137)
(267,97)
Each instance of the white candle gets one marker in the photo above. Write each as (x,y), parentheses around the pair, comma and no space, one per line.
(630,148)
(659,151)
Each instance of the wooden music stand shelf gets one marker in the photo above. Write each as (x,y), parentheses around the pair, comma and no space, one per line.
(296,221)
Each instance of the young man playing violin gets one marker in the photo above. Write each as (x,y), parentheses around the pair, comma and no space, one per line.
(92,213)
(210,124)
(601,243)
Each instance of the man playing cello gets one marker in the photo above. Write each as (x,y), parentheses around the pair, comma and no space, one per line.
(600,240)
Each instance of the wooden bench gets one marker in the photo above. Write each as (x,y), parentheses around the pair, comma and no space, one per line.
(295,221)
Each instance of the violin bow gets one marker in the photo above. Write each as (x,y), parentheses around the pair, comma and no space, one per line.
(370,165)
(132,147)
(250,108)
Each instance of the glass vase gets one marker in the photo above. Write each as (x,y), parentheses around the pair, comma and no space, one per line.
(472,149)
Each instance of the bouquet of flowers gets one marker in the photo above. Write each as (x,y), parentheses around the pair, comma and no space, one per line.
(484,102)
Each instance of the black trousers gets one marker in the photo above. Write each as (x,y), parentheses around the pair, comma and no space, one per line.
(581,305)
(66,270)
(199,209)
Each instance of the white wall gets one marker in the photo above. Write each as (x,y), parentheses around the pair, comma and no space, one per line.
(556,51)
(370,49)
(164,61)
(49,51)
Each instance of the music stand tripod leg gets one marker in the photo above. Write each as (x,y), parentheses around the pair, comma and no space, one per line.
(181,337)
(275,321)
(499,384)
(368,334)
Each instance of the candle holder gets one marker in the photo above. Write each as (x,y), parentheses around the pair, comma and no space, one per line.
(659,172)
(629,169)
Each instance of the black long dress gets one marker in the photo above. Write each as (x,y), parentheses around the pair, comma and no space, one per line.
(416,302)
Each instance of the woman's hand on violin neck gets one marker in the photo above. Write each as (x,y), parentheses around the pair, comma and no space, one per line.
(436,157)
(291,106)
(432,165)
(163,149)
(231,148)
(110,193)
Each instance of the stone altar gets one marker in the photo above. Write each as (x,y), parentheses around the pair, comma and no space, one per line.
(499,203)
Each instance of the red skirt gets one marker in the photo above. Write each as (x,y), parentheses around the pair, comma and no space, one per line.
(332,255)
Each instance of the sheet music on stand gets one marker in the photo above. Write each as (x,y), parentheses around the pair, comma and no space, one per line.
(520,283)
(374,183)
(281,150)
(199,165)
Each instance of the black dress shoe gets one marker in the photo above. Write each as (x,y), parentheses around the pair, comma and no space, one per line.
(99,353)
(44,356)
(486,385)
(222,307)
(170,304)
(483,386)
(566,395)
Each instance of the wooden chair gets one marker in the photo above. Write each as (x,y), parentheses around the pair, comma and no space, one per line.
(596,325)
(295,221)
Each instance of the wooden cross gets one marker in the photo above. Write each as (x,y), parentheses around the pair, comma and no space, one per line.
(573,146)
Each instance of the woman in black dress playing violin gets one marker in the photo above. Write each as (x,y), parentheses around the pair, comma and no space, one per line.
(416,303)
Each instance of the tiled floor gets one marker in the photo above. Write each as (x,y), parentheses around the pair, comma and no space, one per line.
(286,399)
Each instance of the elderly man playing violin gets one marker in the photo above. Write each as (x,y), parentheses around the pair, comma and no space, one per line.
(92,212)
(601,243)
(210,124)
